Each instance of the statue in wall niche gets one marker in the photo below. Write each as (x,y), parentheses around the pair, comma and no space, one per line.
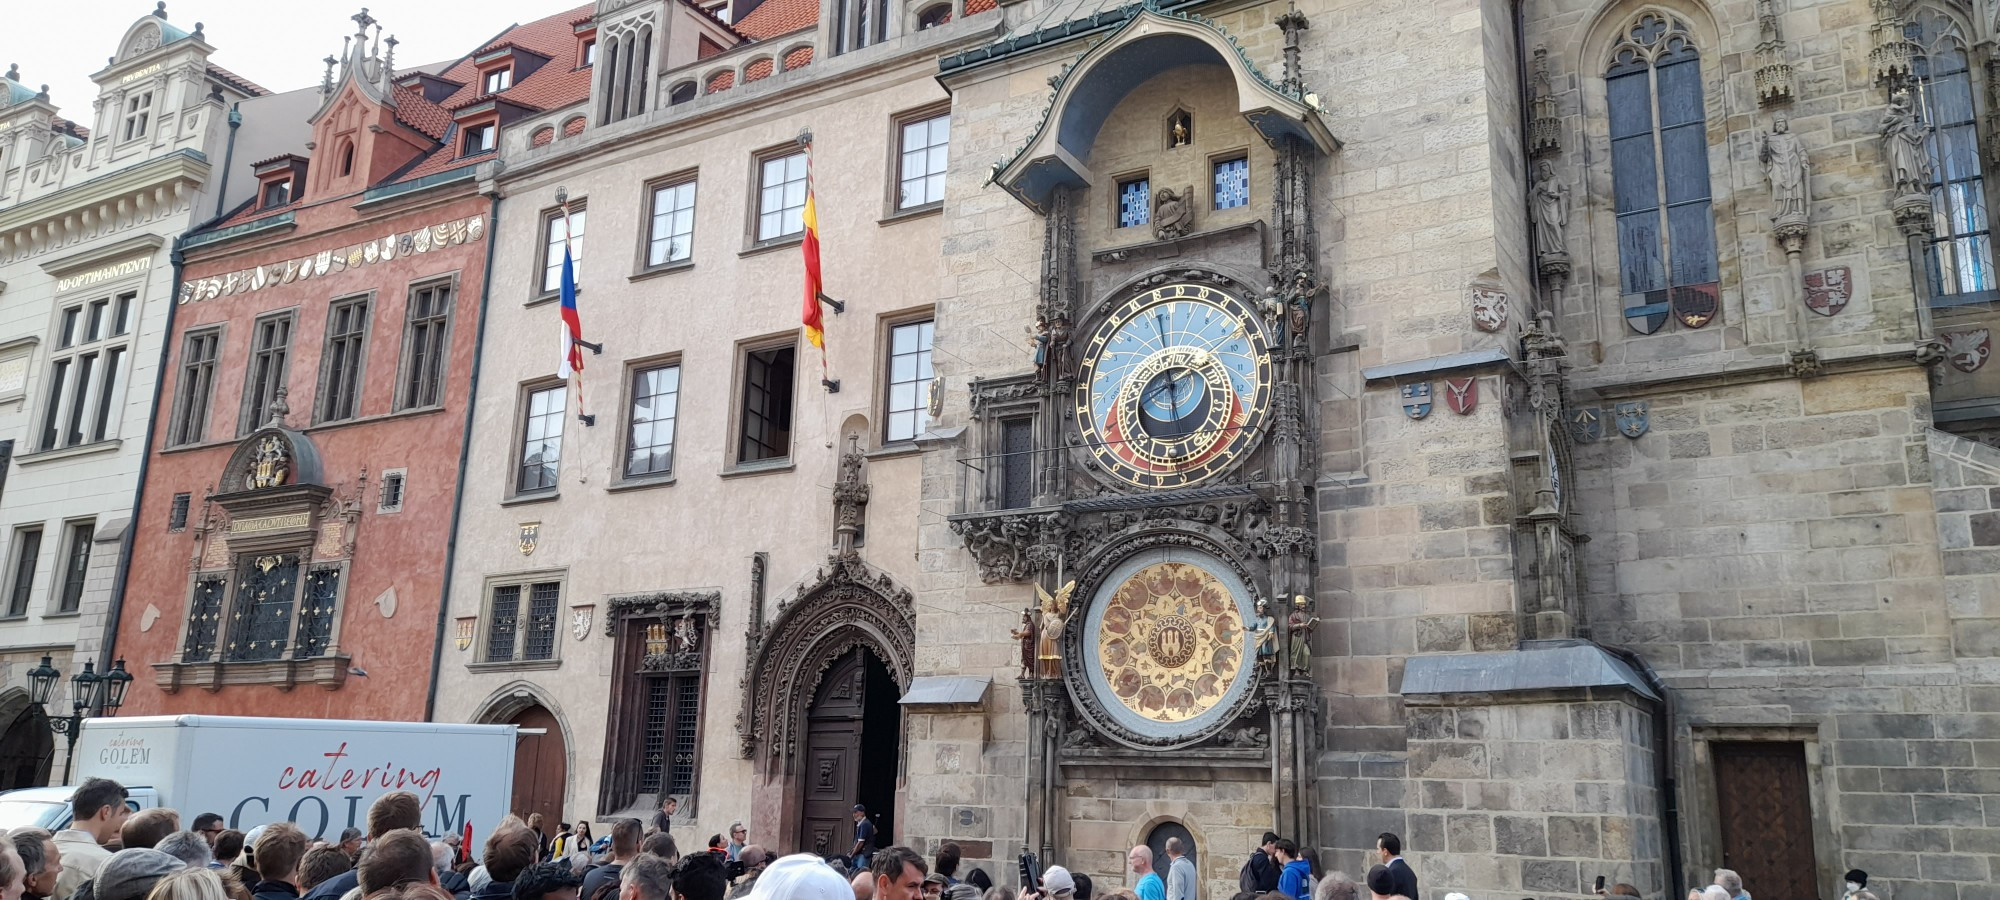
(1264,632)
(1903,147)
(1173,212)
(1786,165)
(1301,625)
(1550,204)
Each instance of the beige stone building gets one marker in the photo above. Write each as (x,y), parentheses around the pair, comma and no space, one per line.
(615,575)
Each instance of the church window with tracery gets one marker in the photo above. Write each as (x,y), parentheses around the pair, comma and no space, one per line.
(1659,162)
(1959,253)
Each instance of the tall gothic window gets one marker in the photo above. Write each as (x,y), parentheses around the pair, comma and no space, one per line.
(1659,163)
(1960,257)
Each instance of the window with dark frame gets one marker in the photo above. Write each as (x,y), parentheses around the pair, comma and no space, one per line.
(909,393)
(346,342)
(670,236)
(260,622)
(196,388)
(541,439)
(649,445)
(87,372)
(667,741)
(276,194)
(270,357)
(204,619)
(1017,462)
(425,353)
(925,148)
(781,196)
(521,621)
(767,404)
(177,517)
(499,80)
(27,553)
(394,483)
(859,23)
(76,564)
(554,229)
(1659,166)
(479,138)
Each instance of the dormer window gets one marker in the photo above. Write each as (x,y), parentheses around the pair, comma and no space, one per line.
(479,138)
(276,194)
(589,53)
(138,114)
(499,80)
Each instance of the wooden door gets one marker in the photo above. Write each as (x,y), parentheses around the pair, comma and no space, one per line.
(833,757)
(1765,807)
(541,768)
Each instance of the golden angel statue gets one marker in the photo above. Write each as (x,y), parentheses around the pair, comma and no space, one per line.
(1055,613)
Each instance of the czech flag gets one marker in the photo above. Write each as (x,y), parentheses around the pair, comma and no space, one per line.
(810,316)
(572,324)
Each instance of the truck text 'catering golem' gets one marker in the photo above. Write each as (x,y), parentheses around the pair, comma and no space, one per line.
(321,774)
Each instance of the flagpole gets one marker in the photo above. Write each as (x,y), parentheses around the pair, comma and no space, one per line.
(815,286)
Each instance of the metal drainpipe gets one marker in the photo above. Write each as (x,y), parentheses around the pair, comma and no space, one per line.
(1663,756)
(464,456)
(109,645)
(228,157)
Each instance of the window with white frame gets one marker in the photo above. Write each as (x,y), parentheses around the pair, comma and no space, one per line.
(138,114)
(541,439)
(908,413)
(77,537)
(521,620)
(555,228)
(670,236)
(499,80)
(649,443)
(781,196)
(87,371)
(924,143)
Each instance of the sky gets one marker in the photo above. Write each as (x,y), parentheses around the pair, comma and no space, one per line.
(280,45)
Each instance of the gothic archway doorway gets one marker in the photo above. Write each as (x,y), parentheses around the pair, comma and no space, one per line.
(27,748)
(541,766)
(853,739)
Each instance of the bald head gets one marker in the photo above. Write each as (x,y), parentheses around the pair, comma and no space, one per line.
(864,885)
(1140,859)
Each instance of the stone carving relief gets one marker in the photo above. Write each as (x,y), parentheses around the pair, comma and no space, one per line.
(1173,212)
(1786,167)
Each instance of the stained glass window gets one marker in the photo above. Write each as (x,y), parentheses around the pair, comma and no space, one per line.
(1135,203)
(1960,249)
(1232,183)
(1659,164)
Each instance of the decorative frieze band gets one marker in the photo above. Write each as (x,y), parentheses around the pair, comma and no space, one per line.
(327,262)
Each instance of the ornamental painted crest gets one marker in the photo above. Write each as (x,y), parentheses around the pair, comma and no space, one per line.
(579,622)
(1586,425)
(1461,395)
(530,537)
(1646,312)
(271,466)
(1697,305)
(1489,309)
(1828,290)
(1967,349)
(1634,418)
(1417,399)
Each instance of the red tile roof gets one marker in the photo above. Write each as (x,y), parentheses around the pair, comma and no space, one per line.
(573,126)
(236,81)
(798,59)
(975,7)
(542,137)
(720,82)
(413,110)
(705,48)
(757,71)
(775,17)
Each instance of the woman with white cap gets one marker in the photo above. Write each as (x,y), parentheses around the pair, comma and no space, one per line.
(801,876)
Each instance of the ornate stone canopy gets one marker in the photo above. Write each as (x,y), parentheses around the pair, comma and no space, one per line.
(1151,42)
(847,604)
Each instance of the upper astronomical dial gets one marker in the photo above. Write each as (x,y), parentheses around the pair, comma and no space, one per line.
(1175,386)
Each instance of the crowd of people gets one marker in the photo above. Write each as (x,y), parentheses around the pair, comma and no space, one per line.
(111,852)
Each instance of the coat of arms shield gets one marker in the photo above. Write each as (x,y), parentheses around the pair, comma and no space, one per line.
(1828,290)
(531,535)
(1417,399)
(1586,425)
(1461,395)
(1967,349)
(1634,418)
(1489,309)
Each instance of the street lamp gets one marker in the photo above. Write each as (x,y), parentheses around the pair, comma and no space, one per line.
(89,692)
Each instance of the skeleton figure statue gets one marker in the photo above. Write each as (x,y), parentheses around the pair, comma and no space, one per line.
(1027,635)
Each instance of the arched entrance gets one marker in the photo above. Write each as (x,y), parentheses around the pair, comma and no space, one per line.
(853,739)
(541,767)
(27,747)
(1157,840)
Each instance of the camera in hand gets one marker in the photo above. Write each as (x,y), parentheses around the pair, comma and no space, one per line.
(734,869)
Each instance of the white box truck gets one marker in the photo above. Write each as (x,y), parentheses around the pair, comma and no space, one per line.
(319,773)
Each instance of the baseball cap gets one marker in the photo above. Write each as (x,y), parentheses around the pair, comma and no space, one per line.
(1057,881)
(1381,882)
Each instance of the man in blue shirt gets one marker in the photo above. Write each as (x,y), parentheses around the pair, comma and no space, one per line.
(1149,887)
(864,838)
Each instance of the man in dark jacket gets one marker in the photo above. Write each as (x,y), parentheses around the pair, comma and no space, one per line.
(1391,849)
(547,881)
(624,845)
(442,856)
(389,812)
(279,849)
(1260,874)
(510,850)
(399,857)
